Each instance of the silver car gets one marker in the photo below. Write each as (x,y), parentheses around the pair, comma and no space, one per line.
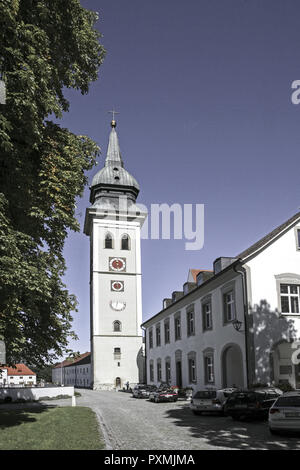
(284,414)
(210,400)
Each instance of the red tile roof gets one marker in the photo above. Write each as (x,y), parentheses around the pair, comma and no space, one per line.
(20,369)
(71,361)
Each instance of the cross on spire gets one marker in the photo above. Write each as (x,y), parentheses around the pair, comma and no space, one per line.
(113,122)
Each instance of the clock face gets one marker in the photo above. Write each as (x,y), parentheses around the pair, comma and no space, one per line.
(117,264)
(117,286)
(117,305)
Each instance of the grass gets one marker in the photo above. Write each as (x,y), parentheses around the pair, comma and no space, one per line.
(44,428)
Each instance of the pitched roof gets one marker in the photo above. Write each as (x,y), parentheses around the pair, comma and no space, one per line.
(269,237)
(20,369)
(73,361)
(249,251)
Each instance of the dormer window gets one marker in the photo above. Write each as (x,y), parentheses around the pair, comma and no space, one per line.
(108,241)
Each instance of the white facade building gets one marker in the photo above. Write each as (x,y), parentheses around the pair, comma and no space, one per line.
(113,223)
(18,376)
(3,377)
(75,371)
(235,326)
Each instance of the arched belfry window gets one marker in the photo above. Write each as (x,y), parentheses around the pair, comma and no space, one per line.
(125,242)
(108,241)
(117,325)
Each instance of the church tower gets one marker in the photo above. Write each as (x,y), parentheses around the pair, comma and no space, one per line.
(113,223)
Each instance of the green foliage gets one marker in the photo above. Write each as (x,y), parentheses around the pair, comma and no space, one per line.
(46,46)
(285,387)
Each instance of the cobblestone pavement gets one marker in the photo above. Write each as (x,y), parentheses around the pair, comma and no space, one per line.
(137,424)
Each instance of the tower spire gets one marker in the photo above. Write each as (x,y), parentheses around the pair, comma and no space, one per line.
(113,156)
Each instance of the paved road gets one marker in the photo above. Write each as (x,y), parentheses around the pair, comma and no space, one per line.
(137,424)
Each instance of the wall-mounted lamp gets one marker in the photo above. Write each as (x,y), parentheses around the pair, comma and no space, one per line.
(237,325)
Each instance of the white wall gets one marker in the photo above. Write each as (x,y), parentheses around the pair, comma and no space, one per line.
(76,375)
(35,393)
(218,339)
(270,326)
(104,339)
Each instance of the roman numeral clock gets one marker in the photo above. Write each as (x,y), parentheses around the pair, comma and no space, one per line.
(115,274)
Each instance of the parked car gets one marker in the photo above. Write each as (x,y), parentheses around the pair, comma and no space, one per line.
(284,414)
(255,403)
(210,400)
(142,390)
(163,394)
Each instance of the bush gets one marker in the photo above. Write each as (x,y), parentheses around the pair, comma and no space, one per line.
(58,397)
(8,399)
(259,385)
(285,387)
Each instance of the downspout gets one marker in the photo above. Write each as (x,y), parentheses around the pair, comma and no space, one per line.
(145,375)
(243,273)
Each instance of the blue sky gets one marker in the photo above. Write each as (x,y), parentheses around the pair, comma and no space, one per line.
(203,88)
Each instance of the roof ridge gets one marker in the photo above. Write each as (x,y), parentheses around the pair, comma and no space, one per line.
(268,237)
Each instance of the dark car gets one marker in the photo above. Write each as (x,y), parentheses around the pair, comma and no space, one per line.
(143,391)
(244,404)
(163,393)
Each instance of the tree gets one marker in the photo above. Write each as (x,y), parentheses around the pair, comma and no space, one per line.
(46,46)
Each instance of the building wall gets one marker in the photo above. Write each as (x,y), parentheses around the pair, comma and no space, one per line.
(3,377)
(218,339)
(103,337)
(77,375)
(17,379)
(280,261)
(110,367)
(269,333)
(35,393)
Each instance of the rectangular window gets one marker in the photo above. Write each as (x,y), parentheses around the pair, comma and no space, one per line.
(297,233)
(285,370)
(159,371)
(158,335)
(207,316)
(190,316)
(117,354)
(229,309)
(151,372)
(150,338)
(177,324)
(209,369)
(289,298)
(192,370)
(167,331)
(168,372)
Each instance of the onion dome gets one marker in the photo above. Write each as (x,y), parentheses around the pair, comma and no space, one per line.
(113,180)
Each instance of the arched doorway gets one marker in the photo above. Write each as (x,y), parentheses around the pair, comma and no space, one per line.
(284,371)
(118,382)
(232,366)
